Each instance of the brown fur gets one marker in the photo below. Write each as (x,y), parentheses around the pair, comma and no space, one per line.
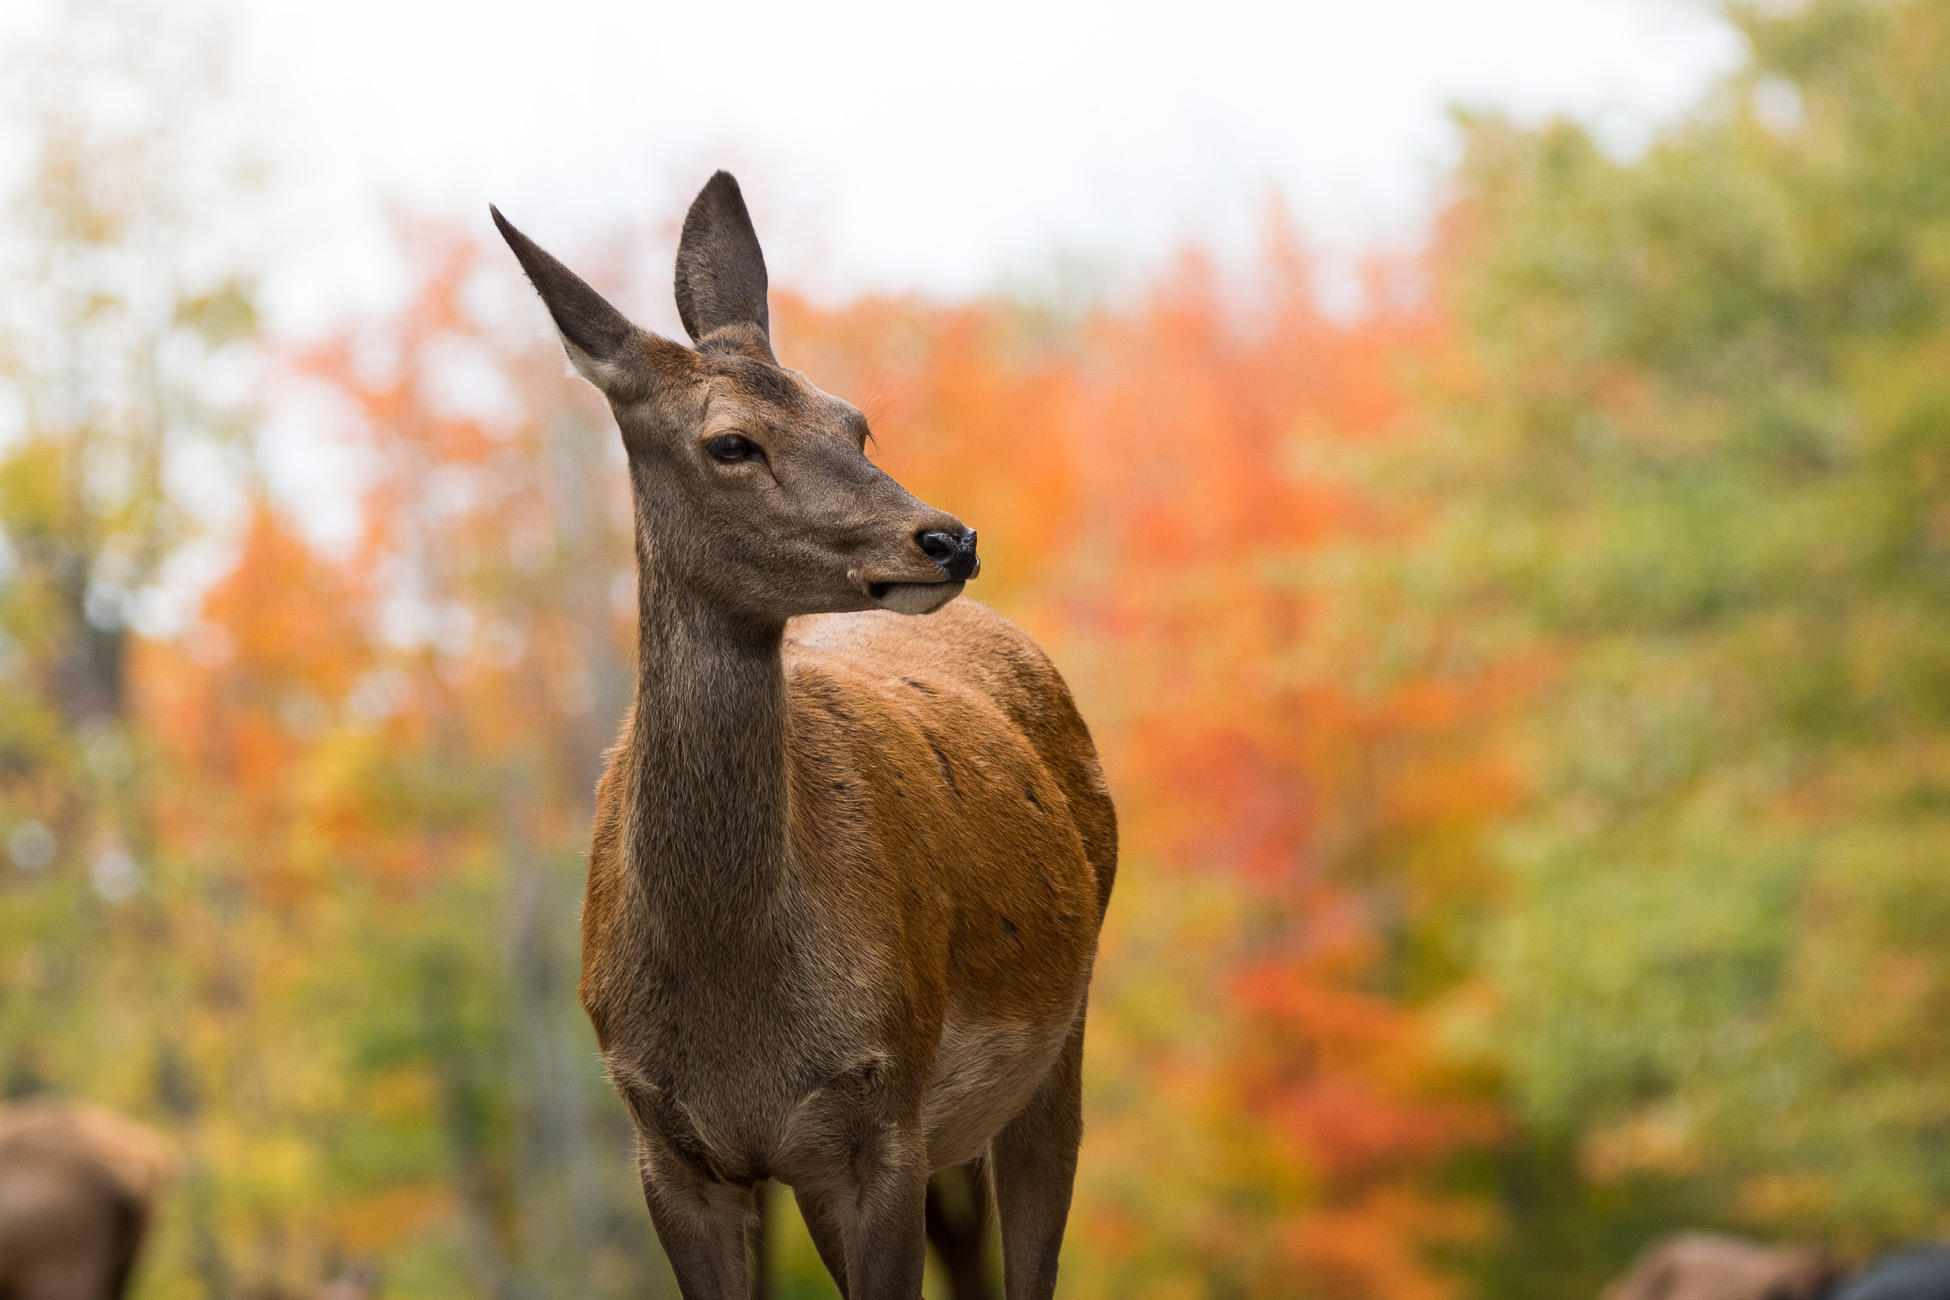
(848,866)
(77,1185)
(1712,1266)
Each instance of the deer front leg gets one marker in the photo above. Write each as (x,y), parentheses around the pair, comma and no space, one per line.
(857,1160)
(887,1247)
(829,1239)
(865,1209)
(877,1228)
(699,1221)
(1034,1163)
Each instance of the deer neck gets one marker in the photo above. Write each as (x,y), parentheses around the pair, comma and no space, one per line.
(708,788)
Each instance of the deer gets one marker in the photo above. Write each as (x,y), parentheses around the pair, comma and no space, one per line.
(1716,1266)
(78,1185)
(853,846)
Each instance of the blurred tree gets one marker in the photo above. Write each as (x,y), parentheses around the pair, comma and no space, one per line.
(124,316)
(497,598)
(1697,456)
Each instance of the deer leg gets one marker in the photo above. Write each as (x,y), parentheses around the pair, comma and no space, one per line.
(1034,1163)
(701,1225)
(828,1238)
(887,1244)
(868,1213)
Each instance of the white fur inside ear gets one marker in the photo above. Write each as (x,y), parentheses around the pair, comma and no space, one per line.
(602,374)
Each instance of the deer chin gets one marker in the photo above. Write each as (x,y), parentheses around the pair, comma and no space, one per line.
(913,597)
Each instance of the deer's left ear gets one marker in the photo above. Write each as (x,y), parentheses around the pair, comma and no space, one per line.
(625,362)
(721,272)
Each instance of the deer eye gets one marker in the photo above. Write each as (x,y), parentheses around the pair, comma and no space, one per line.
(731,448)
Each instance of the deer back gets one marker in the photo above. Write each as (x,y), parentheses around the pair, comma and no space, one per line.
(77,1185)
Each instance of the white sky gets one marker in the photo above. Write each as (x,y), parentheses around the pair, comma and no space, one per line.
(882,145)
(890,145)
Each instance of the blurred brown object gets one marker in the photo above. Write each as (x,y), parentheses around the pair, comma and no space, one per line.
(77,1184)
(358,1281)
(1713,1266)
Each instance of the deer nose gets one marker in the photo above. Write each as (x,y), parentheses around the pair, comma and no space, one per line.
(953,550)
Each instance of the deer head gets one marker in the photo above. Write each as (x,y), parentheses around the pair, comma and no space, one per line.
(752,487)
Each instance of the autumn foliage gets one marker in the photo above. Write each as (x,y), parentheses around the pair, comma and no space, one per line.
(369,765)
(1524,704)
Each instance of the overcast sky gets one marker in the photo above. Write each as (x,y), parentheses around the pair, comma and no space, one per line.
(920,146)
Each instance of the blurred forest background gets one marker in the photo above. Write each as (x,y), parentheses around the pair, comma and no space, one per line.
(1528,704)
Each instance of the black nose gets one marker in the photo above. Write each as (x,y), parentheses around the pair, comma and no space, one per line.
(954,552)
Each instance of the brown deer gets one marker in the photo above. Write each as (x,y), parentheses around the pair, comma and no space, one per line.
(848,866)
(1714,1266)
(77,1184)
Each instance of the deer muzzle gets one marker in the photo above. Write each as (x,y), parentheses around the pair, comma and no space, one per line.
(953,549)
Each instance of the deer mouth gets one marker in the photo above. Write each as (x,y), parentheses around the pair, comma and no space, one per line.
(913,597)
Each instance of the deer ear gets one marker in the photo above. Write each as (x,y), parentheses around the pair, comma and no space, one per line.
(602,345)
(721,270)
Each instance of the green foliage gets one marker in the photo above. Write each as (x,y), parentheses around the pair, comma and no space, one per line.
(1700,458)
